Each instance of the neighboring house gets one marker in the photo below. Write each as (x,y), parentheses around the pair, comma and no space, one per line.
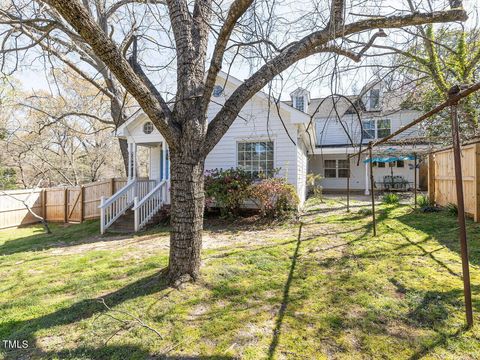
(337,125)
(263,138)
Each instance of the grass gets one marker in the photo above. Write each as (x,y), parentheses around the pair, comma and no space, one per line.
(336,293)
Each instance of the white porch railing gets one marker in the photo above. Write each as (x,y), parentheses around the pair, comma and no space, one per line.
(115,206)
(149,205)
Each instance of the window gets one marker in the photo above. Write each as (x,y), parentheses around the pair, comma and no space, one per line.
(383,128)
(343,168)
(148,127)
(330,167)
(368,129)
(374,99)
(336,168)
(255,157)
(400,163)
(376,129)
(300,103)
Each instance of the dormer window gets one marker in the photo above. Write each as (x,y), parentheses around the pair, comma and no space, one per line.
(300,99)
(374,99)
(300,103)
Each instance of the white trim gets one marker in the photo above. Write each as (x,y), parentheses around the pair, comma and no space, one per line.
(254,140)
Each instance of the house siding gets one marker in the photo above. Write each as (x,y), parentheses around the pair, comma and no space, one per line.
(357,173)
(302,163)
(256,123)
(331,132)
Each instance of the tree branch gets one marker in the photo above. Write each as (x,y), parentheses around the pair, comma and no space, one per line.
(104,47)
(307,46)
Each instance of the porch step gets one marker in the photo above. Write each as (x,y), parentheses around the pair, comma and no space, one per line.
(125,224)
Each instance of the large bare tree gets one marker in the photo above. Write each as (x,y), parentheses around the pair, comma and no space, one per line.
(205,34)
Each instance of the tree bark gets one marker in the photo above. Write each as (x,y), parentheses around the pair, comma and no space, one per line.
(187,207)
(124,151)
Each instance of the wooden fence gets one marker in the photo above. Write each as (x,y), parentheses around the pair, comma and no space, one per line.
(69,204)
(441,178)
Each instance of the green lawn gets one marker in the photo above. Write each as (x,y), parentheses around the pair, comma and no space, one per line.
(326,291)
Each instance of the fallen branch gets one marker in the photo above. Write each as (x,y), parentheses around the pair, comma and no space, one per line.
(135,320)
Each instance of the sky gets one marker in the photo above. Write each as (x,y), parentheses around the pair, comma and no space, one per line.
(34,78)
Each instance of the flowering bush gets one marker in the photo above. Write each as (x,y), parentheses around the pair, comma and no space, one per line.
(227,189)
(274,196)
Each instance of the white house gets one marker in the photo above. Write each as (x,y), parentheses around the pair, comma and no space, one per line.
(300,136)
(372,115)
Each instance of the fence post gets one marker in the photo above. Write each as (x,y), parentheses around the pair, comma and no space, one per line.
(65,208)
(135,212)
(102,215)
(44,204)
(431,178)
(477,183)
(112,186)
(82,203)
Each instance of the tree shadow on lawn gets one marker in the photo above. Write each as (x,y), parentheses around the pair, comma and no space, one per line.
(443,228)
(65,235)
(112,352)
(83,309)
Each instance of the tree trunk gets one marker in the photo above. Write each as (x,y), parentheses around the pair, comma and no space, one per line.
(124,151)
(187,207)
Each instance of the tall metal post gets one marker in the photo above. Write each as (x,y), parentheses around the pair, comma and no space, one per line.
(415,179)
(461,209)
(348,187)
(372,191)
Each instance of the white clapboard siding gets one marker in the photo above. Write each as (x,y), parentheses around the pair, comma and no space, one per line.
(331,132)
(255,123)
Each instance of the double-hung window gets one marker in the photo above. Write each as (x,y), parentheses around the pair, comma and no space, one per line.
(376,129)
(384,128)
(330,168)
(343,168)
(300,103)
(255,157)
(336,168)
(368,129)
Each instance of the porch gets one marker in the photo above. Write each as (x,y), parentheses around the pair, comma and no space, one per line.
(140,201)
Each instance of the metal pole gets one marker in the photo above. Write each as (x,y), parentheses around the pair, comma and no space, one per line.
(415,179)
(372,191)
(461,210)
(348,187)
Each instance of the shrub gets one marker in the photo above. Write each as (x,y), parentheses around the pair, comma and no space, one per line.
(274,197)
(227,189)
(423,201)
(314,187)
(391,198)
(452,209)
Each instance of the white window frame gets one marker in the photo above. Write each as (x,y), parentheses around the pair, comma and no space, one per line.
(255,141)
(337,168)
(325,168)
(370,100)
(376,128)
(343,168)
(302,98)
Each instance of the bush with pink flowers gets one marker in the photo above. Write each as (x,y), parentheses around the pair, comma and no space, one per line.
(274,197)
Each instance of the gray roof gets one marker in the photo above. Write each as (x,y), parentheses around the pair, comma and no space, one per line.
(391,101)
